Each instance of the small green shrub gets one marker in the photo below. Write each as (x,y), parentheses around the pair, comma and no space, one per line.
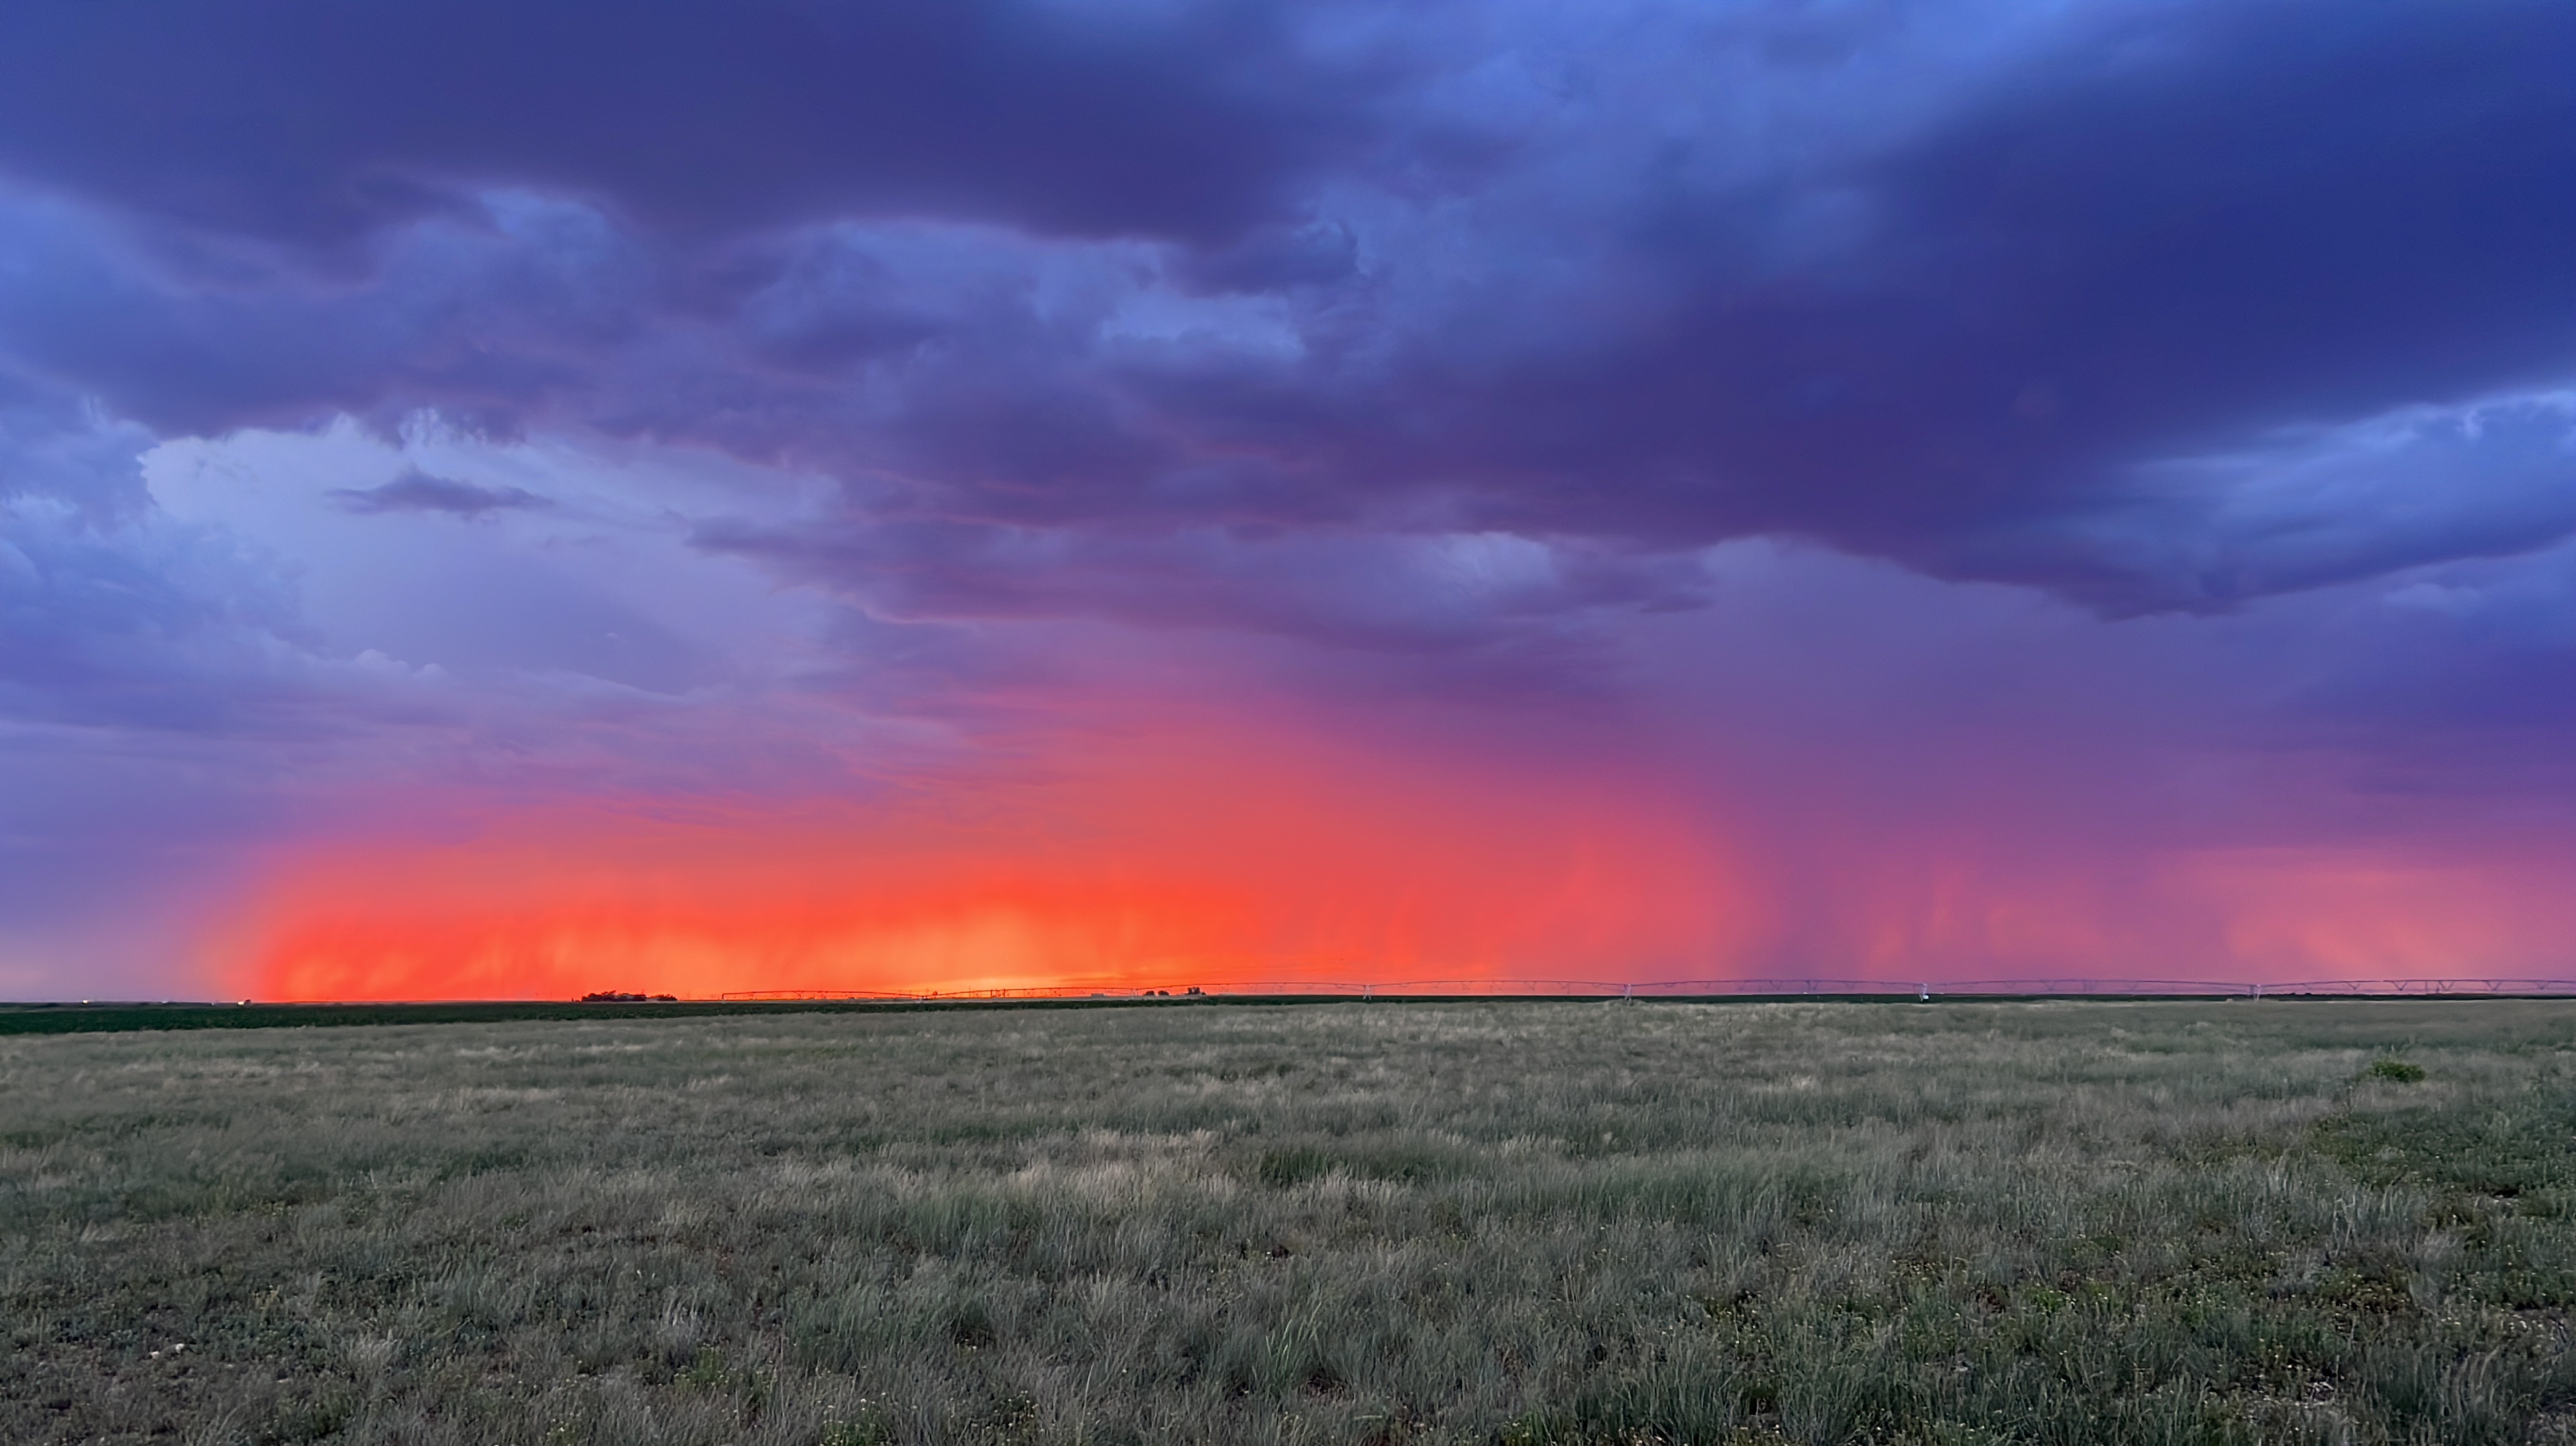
(971,1326)
(707,1372)
(2395,1069)
(867,1431)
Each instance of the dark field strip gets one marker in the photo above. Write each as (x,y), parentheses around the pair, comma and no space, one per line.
(58,1018)
(114,1018)
(1501,1223)
(122,1017)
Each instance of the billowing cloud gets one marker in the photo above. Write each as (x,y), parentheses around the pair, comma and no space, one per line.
(1666,274)
(109,610)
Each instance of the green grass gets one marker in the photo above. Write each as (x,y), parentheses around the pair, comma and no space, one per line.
(1493,1223)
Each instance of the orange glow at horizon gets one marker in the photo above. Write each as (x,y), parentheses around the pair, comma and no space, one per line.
(1223,855)
(1209,861)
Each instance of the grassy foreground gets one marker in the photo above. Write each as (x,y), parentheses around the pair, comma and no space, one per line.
(1500,1223)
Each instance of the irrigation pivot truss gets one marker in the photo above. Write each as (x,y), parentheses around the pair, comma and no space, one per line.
(89,1017)
(1766,988)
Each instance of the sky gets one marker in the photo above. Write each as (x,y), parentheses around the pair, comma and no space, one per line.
(506,501)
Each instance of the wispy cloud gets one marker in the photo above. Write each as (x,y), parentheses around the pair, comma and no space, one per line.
(418,491)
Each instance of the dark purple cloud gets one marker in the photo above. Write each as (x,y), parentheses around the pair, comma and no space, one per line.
(418,491)
(1940,288)
(316,122)
(2164,232)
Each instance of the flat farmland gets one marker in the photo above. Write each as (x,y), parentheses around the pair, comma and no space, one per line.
(1483,1222)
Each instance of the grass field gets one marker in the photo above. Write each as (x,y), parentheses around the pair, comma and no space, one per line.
(1498,1223)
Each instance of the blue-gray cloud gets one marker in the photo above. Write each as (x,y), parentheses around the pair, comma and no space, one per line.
(2314,507)
(110,613)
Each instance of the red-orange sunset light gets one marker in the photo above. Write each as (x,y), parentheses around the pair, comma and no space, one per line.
(1209,863)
